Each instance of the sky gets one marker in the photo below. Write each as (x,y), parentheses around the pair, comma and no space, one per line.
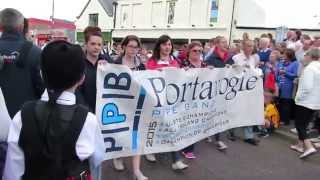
(64,9)
(292,13)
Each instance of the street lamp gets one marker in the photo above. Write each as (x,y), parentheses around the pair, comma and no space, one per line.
(115,5)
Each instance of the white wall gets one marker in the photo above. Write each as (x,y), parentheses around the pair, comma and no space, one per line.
(155,13)
(105,22)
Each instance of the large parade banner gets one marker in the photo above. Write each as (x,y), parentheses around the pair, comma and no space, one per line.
(144,112)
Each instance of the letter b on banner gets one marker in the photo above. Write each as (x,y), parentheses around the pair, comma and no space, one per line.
(121,82)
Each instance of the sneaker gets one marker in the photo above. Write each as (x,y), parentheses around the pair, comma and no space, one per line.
(179,165)
(209,140)
(315,140)
(294,131)
(253,142)
(221,145)
(297,148)
(118,164)
(307,153)
(317,145)
(263,135)
(231,137)
(139,176)
(189,155)
(151,157)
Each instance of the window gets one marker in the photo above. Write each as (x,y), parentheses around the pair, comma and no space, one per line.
(214,11)
(137,14)
(170,10)
(156,13)
(195,13)
(124,15)
(93,19)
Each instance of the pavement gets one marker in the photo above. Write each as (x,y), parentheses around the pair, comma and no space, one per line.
(271,160)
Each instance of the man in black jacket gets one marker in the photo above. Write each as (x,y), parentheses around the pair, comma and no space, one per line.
(20,78)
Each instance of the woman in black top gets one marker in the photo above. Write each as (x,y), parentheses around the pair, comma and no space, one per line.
(131,45)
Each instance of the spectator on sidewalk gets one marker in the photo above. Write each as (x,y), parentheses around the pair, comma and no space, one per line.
(287,73)
(271,114)
(307,101)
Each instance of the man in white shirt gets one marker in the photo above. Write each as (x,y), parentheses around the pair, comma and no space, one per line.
(249,60)
(246,58)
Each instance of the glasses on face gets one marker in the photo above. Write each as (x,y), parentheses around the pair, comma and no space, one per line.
(196,50)
(132,47)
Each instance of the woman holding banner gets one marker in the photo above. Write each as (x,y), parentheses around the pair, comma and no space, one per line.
(162,58)
(194,51)
(131,45)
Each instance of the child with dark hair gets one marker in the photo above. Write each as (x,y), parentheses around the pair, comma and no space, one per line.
(54,138)
(271,114)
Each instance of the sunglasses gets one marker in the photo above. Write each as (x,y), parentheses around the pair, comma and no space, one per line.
(196,51)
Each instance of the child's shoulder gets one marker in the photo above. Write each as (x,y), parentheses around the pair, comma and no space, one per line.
(271,107)
(91,119)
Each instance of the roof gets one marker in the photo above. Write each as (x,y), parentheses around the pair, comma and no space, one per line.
(55,24)
(106,4)
(84,8)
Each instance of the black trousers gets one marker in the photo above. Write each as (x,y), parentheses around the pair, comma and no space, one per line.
(303,118)
(285,108)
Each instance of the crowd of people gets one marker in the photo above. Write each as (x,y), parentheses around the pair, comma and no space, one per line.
(38,145)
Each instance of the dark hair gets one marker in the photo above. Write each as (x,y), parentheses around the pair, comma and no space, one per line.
(192,45)
(156,51)
(290,53)
(91,31)
(306,37)
(298,34)
(268,90)
(212,40)
(62,66)
(270,36)
(129,38)
(25,26)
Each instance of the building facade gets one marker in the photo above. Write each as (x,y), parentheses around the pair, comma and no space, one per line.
(183,20)
(94,14)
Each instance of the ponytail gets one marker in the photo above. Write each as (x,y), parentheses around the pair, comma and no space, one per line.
(53,96)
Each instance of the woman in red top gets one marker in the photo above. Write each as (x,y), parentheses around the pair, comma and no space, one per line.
(162,58)
(162,55)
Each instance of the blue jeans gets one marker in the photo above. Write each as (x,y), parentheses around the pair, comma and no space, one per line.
(3,152)
(175,156)
(248,132)
(189,149)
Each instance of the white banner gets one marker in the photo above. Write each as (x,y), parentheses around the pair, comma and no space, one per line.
(144,112)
